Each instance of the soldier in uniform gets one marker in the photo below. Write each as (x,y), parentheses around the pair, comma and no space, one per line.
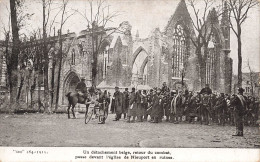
(118,96)
(126,102)
(165,88)
(177,107)
(145,104)
(155,113)
(172,97)
(149,102)
(132,106)
(139,105)
(167,105)
(81,87)
(239,103)
(221,109)
(104,102)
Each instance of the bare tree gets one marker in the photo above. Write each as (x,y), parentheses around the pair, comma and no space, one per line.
(65,15)
(238,14)
(47,10)
(203,28)
(13,62)
(97,21)
(19,17)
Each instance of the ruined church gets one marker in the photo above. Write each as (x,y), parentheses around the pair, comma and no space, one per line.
(166,55)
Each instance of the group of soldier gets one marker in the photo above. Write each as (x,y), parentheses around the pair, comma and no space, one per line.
(184,106)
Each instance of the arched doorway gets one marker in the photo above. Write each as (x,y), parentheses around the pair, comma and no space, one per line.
(139,67)
(70,84)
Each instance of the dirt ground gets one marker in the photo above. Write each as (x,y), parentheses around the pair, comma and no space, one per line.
(57,130)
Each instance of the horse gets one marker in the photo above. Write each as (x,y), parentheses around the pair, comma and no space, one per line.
(74,98)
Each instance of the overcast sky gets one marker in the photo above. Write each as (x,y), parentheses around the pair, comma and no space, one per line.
(144,16)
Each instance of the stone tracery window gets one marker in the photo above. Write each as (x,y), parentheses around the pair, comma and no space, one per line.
(211,59)
(105,61)
(73,59)
(179,50)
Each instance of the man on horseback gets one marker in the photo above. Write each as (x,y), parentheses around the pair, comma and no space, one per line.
(81,87)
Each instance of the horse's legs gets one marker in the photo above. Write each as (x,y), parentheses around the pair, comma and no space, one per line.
(72,109)
(69,111)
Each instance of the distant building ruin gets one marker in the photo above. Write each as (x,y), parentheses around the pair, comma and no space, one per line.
(129,61)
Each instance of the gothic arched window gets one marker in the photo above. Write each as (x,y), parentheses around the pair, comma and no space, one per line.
(211,61)
(105,61)
(179,51)
(73,59)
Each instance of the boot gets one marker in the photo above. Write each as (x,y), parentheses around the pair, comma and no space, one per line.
(132,121)
(102,120)
(155,120)
(117,118)
(128,119)
(177,120)
(145,117)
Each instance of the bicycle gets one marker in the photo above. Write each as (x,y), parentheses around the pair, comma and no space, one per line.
(100,112)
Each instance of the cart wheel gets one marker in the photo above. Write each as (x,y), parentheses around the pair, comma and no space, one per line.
(88,115)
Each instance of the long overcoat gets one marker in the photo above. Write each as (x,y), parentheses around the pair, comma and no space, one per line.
(118,102)
(155,107)
(125,101)
(132,105)
(139,109)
